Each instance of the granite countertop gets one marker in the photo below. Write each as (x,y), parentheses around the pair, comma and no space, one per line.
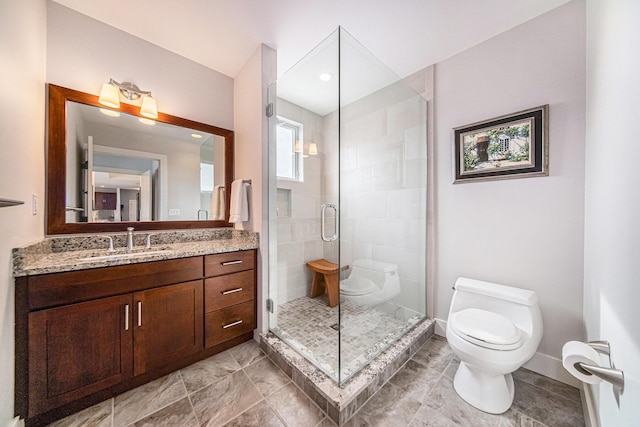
(81,252)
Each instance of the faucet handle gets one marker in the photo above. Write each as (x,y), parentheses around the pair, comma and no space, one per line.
(110,242)
(130,228)
(148,241)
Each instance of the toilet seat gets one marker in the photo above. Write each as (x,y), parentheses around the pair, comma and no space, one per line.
(356,286)
(486,329)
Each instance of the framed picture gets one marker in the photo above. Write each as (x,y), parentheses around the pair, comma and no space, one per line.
(512,146)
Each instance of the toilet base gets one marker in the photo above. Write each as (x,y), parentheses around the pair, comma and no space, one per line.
(492,393)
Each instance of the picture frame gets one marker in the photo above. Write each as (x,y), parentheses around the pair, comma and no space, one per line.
(510,146)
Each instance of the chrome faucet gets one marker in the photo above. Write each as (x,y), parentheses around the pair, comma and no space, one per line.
(130,244)
(110,242)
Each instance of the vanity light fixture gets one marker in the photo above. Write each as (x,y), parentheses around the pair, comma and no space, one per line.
(313,149)
(109,113)
(110,96)
(297,147)
(146,121)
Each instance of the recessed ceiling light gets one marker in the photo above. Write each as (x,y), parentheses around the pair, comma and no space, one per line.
(109,113)
(325,77)
(196,135)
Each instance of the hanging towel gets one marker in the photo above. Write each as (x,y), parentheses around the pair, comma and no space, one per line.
(239,211)
(218,204)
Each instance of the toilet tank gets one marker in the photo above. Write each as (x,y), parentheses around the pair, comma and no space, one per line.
(378,271)
(518,305)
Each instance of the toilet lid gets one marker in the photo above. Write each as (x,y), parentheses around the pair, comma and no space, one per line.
(486,329)
(356,286)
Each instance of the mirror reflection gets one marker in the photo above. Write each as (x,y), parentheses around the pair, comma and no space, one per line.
(121,168)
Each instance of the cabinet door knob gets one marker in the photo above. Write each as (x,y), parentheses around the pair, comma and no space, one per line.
(139,313)
(231,324)
(231,291)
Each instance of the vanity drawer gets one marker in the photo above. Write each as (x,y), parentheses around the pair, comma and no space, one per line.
(230,262)
(48,290)
(222,325)
(224,291)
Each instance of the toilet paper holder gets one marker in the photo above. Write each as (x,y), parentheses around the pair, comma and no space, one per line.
(611,374)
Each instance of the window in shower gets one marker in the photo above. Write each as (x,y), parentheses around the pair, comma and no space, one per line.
(290,150)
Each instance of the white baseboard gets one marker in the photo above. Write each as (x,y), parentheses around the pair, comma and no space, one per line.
(441,327)
(541,363)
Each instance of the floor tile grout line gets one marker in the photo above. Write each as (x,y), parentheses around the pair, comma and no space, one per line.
(547,390)
(113,411)
(245,411)
(193,409)
(159,409)
(426,397)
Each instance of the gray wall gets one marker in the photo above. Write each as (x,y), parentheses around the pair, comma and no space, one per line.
(22,49)
(522,232)
(83,53)
(612,231)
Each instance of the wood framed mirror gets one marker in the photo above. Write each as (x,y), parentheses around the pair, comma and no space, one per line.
(106,170)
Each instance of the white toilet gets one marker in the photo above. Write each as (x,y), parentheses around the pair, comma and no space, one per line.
(371,282)
(494,330)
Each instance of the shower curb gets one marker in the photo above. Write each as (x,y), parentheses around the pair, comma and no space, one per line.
(341,402)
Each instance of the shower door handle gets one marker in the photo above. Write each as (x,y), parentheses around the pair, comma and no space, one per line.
(322,221)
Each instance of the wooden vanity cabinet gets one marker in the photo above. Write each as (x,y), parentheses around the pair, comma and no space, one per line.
(167,325)
(86,335)
(230,296)
(78,349)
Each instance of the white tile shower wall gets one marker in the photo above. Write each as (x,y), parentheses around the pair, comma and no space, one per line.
(299,234)
(383,186)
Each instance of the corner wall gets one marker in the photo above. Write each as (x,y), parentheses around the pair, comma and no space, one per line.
(22,49)
(251,156)
(612,230)
(522,232)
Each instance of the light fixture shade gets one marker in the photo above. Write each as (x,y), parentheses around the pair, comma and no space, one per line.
(149,108)
(147,122)
(109,96)
(297,147)
(313,149)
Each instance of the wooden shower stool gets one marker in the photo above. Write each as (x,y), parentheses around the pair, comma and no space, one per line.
(325,278)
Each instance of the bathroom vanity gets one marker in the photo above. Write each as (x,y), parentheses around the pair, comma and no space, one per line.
(90,326)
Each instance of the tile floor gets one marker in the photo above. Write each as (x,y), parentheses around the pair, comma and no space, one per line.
(310,326)
(242,387)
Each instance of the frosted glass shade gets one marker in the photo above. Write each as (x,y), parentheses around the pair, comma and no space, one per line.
(313,149)
(297,147)
(109,96)
(149,108)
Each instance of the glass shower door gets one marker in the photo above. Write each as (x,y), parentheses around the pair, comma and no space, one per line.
(303,228)
(383,206)
(348,195)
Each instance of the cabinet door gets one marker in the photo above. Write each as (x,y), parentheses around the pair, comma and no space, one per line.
(78,349)
(105,201)
(168,324)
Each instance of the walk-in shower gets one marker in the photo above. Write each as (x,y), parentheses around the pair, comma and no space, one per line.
(347,193)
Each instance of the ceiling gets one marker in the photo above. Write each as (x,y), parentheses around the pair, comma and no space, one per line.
(406,35)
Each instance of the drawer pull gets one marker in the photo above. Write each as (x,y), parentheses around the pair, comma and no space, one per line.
(232,262)
(126,317)
(231,291)
(139,313)
(231,324)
